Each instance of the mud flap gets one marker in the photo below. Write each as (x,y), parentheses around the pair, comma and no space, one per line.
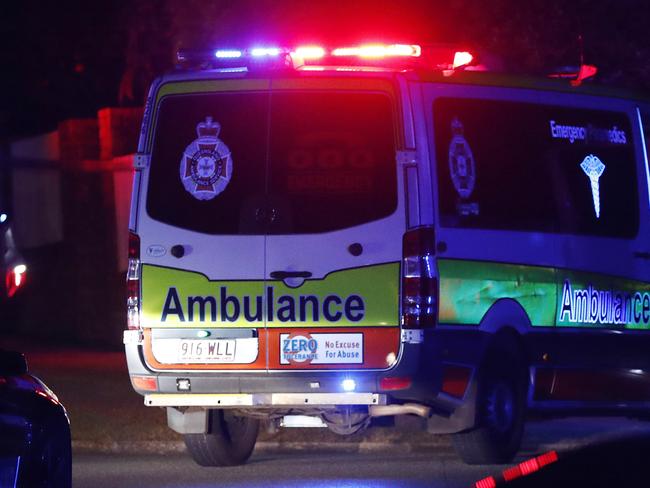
(189,421)
(463,418)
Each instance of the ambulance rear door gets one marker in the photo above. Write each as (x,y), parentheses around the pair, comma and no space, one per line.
(202,227)
(336,220)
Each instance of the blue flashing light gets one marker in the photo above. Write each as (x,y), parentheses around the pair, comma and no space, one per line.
(265,51)
(227,54)
(348,384)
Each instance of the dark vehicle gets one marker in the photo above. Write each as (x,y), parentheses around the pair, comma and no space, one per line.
(13,269)
(35,449)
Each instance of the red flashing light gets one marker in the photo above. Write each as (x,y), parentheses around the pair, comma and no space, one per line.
(379,51)
(462,58)
(512,473)
(488,482)
(394,383)
(547,458)
(15,279)
(530,466)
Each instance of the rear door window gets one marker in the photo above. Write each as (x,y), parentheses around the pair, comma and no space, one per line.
(528,167)
(332,161)
(302,162)
(243,121)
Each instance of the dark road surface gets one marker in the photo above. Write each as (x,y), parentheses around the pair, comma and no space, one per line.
(432,468)
(311,469)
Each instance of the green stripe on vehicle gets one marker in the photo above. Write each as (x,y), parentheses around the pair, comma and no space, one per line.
(469,288)
(550,296)
(362,297)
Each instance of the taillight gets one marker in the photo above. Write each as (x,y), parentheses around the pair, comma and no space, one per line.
(419,280)
(395,383)
(15,278)
(133,283)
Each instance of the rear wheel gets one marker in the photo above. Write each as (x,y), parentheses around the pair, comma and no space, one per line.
(500,413)
(230,440)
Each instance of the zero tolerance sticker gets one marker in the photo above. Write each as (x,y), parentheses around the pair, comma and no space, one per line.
(206,164)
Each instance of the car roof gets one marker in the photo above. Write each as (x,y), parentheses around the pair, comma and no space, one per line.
(476,78)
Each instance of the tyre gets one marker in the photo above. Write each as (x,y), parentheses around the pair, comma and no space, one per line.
(500,413)
(230,440)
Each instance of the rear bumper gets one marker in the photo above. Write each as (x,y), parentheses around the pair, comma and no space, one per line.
(262,399)
(426,364)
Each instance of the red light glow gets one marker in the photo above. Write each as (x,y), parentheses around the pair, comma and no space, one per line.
(547,458)
(511,473)
(15,278)
(530,466)
(488,482)
(379,51)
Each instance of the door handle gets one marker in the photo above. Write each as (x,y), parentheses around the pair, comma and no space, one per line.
(282,275)
(642,254)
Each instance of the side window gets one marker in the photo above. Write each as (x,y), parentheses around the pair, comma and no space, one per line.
(528,167)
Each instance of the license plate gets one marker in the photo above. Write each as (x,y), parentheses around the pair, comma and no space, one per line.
(179,350)
(205,351)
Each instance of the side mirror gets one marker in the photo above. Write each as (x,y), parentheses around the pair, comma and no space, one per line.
(12,363)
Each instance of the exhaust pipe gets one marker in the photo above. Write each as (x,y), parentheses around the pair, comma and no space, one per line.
(387,410)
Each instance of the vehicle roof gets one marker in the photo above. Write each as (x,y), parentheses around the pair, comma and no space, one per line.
(477,78)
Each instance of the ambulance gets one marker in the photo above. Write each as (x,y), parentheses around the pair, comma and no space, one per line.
(321,236)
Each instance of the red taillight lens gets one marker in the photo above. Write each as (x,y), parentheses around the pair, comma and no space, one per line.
(145,383)
(15,279)
(133,283)
(394,383)
(419,279)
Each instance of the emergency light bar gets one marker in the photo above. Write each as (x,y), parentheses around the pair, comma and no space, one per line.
(308,57)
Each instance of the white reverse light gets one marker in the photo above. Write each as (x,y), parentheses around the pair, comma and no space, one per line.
(3,217)
(348,384)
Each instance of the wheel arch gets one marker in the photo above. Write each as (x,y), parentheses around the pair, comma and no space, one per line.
(506,322)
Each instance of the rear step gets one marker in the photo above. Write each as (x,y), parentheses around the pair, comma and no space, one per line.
(262,399)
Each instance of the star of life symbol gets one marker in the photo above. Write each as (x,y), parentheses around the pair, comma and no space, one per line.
(461,161)
(206,164)
(593,168)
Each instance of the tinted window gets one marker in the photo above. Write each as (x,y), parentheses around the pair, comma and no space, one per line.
(505,165)
(332,160)
(325,162)
(242,117)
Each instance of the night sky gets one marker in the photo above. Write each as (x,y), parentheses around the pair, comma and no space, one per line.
(69,58)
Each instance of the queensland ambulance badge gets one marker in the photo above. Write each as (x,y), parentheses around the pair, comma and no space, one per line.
(206,165)
(461,161)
